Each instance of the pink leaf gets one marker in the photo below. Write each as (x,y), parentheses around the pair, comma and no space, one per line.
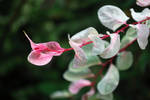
(80,57)
(33,45)
(39,59)
(143,3)
(75,87)
(42,53)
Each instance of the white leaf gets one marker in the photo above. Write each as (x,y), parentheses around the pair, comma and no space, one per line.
(113,47)
(124,60)
(82,36)
(80,57)
(109,82)
(138,16)
(142,35)
(112,17)
(143,3)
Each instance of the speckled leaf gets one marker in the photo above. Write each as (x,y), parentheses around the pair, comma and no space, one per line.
(130,36)
(124,60)
(109,82)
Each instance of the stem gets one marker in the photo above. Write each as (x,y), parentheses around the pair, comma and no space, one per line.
(106,36)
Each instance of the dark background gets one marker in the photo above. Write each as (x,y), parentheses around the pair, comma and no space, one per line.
(53,20)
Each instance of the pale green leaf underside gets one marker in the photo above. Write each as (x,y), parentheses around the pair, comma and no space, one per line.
(148,23)
(98,96)
(130,36)
(109,82)
(74,76)
(60,94)
(105,97)
(90,61)
(124,60)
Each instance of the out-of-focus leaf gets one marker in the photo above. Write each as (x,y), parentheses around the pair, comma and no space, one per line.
(130,36)
(74,76)
(124,60)
(60,94)
(109,82)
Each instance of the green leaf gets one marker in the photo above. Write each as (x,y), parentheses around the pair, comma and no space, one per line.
(91,60)
(124,60)
(105,97)
(74,76)
(109,82)
(130,36)
(148,23)
(60,94)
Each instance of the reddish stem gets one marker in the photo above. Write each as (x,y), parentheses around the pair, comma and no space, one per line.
(121,50)
(117,32)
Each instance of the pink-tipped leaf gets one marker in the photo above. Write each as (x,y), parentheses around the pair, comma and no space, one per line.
(75,87)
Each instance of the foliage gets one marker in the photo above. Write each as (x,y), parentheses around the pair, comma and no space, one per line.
(52,20)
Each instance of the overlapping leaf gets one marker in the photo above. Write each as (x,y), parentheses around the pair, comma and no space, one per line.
(130,36)
(91,60)
(112,48)
(74,76)
(138,16)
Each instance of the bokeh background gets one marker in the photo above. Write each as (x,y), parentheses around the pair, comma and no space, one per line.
(53,20)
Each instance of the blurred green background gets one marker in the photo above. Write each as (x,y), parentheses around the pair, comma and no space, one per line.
(53,20)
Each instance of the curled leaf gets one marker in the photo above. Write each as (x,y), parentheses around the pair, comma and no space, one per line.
(124,60)
(42,53)
(80,57)
(142,35)
(112,48)
(39,59)
(99,44)
(109,82)
(138,16)
(91,60)
(112,17)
